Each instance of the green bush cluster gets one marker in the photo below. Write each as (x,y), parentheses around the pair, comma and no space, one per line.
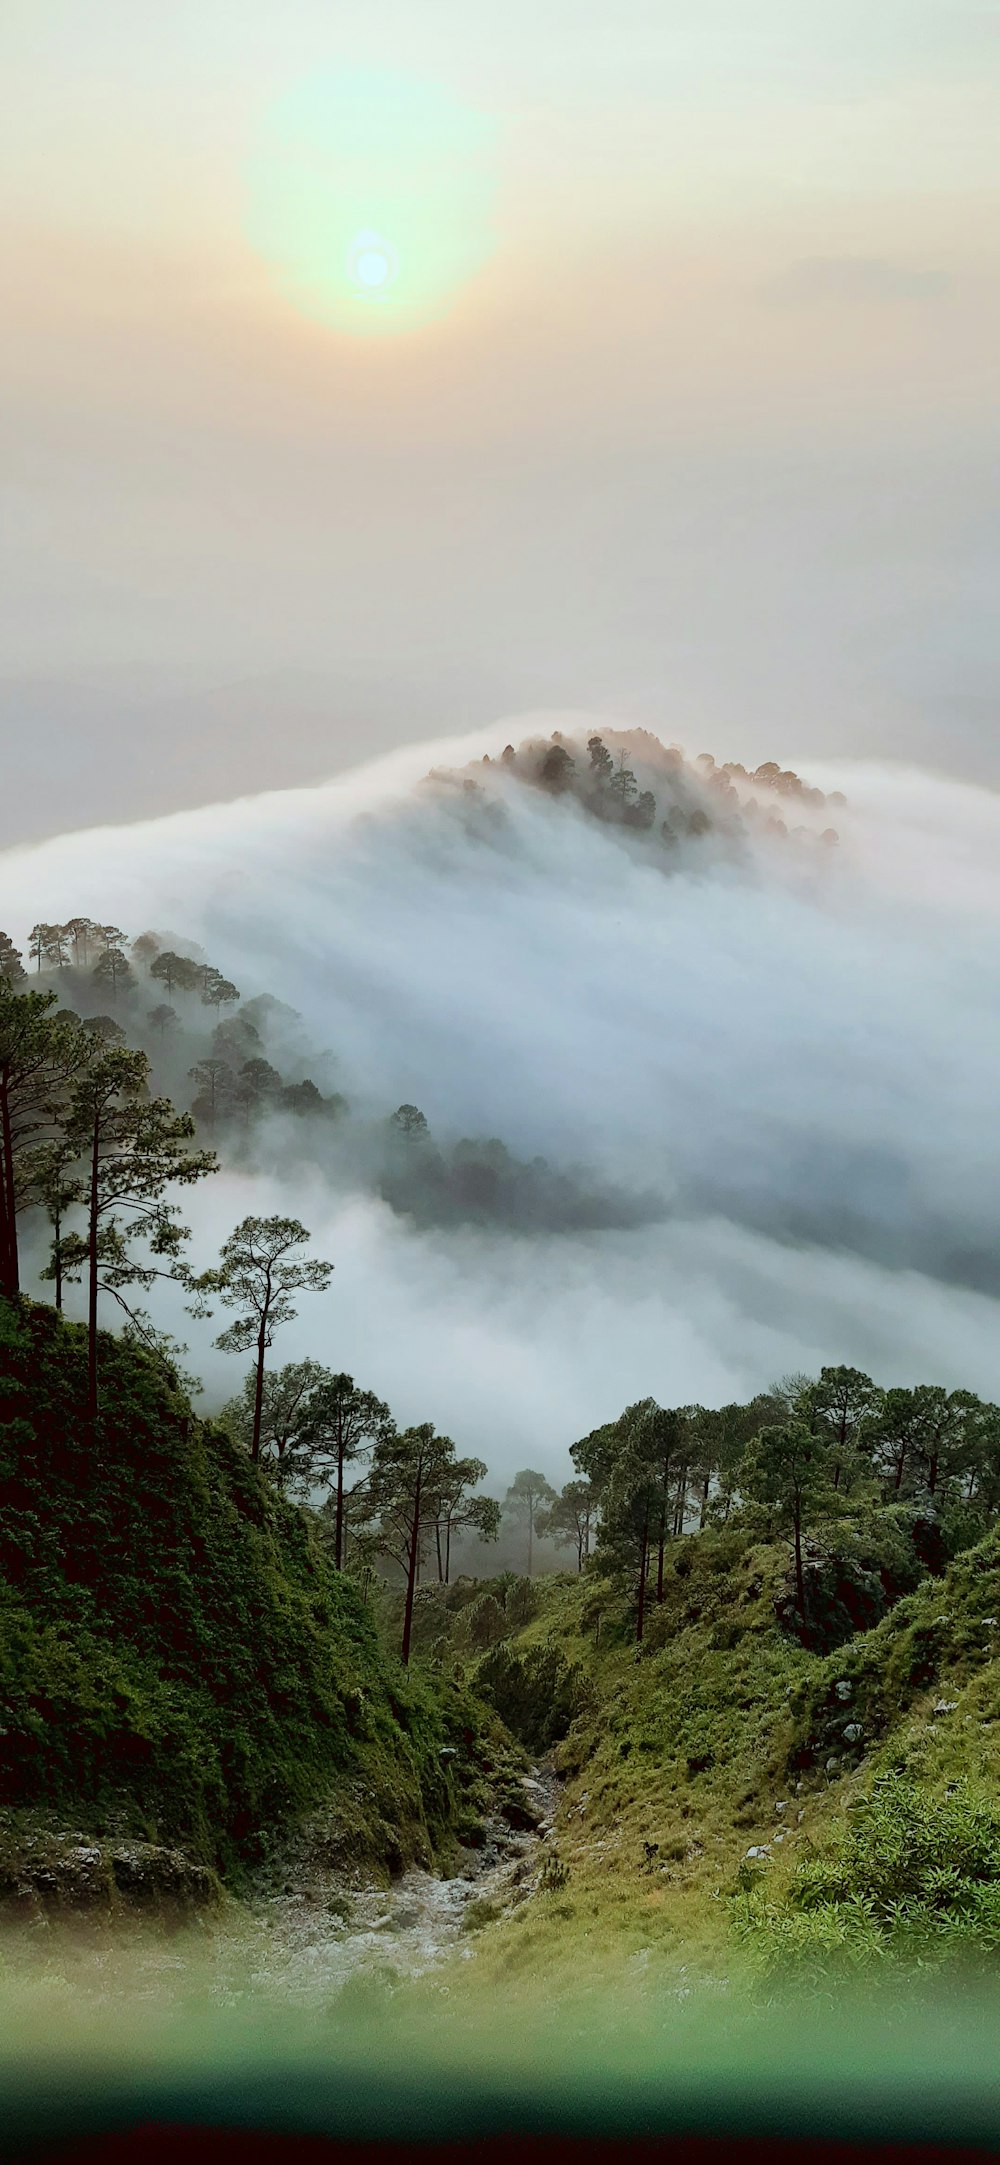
(537,1693)
(913,1877)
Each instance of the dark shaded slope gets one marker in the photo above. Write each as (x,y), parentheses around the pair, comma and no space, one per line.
(178,1659)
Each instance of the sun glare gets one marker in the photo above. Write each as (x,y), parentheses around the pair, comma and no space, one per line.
(373,189)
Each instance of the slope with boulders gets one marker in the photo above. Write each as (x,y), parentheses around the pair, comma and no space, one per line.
(731,1797)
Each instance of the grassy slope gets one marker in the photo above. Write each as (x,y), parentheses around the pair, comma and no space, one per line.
(178,1660)
(725,1716)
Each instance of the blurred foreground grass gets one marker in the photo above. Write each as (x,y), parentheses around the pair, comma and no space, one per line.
(104,2029)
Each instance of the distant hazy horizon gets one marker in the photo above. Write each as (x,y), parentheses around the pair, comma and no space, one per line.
(695,424)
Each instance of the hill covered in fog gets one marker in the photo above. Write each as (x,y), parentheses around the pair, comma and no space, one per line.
(594,1065)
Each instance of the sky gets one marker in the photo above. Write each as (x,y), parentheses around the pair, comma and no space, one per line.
(675,397)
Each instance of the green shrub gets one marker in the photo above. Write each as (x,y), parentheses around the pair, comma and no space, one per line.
(914,1878)
(521,1604)
(537,1694)
(487,1623)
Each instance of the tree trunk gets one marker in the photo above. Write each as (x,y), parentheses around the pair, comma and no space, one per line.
(659,1558)
(800,1577)
(640,1620)
(440,1558)
(447,1550)
(932,1473)
(258,1396)
(92,1286)
(898,1483)
(9,1277)
(338,1537)
(682,1495)
(57,1256)
(412,1561)
(705,1486)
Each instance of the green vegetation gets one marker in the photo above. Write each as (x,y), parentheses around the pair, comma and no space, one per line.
(738,1802)
(914,1876)
(179,1659)
(768,1683)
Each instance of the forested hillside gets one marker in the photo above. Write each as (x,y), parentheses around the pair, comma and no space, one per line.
(179,1658)
(214,1631)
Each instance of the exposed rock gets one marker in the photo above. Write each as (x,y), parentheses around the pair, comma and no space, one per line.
(48,1874)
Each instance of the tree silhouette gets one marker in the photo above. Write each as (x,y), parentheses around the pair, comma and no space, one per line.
(146,948)
(568,1520)
(455,1509)
(56,1185)
(408,1470)
(40,1051)
(216,991)
(47,943)
(601,763)
(557,769)
(622,784)
(174,972)
(789,1470)
(81,933)
(285,1397)
(12,971)
(410,1121)
(214,1080)
(340,1424)
(262,1266)
(113,972)
(104,1029)
(134,1148)
(526,1495)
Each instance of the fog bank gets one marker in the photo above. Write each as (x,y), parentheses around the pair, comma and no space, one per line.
(793,1050)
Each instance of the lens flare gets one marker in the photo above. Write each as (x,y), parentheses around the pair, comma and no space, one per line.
(371,197)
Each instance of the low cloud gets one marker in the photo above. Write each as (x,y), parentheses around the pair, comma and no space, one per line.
(793,1049)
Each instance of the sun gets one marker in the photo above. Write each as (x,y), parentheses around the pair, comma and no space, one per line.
(373,266)
(371,197)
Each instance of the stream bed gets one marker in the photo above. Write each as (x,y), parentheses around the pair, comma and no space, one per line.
(302,1944)
(296,1938)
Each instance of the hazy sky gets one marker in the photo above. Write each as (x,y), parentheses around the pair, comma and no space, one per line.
(688,408)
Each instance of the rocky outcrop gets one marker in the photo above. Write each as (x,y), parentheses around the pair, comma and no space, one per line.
(48,1875)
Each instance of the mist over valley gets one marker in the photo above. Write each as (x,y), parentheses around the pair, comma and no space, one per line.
(702,1055)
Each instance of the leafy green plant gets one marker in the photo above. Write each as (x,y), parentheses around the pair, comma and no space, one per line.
(914,1878)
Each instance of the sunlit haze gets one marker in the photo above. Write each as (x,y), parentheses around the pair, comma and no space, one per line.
(370,373)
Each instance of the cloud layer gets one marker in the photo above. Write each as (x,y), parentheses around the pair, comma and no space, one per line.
(796,1050)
